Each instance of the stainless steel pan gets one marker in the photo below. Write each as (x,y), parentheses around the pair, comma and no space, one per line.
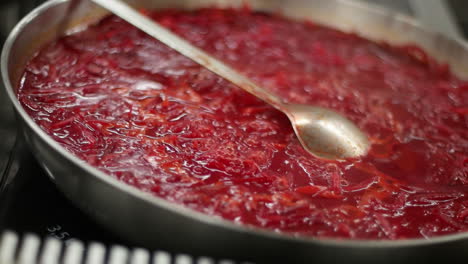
(154,222)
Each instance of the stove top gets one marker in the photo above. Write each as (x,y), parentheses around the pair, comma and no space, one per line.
(29,201)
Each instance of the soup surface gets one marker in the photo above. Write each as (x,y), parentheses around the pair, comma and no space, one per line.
(148,116)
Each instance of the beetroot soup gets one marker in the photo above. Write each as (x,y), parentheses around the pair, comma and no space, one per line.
(151,118)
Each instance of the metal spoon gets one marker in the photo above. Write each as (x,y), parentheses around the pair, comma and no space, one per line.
(322,132)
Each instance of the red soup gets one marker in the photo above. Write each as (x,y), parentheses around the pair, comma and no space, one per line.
(151,118)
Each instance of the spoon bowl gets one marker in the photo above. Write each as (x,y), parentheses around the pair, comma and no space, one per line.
(325,133)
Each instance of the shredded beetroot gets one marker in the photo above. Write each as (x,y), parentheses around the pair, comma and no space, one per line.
(146,115)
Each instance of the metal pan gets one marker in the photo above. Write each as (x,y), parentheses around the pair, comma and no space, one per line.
(153,222)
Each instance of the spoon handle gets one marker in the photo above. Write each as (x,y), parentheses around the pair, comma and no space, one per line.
(160,33)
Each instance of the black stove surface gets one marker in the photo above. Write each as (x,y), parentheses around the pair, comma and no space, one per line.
(32,204)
